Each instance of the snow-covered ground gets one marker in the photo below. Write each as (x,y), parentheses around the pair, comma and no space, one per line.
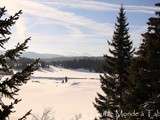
(45,91)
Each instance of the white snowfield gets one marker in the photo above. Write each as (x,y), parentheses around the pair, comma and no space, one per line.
(46,91)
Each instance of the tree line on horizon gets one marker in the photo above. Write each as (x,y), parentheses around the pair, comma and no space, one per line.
(22,63)
(92,64)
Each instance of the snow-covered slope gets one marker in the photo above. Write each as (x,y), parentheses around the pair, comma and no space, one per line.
(65,99)
(62,72)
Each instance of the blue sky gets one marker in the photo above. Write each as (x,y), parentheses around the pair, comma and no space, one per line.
(76,27)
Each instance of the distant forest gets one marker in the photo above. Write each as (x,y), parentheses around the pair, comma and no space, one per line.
(92,64)
(22,63)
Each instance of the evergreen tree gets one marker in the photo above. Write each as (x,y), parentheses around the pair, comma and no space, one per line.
(146,71)
(9,87)
(114,82)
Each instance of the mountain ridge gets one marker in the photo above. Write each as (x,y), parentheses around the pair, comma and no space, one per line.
(34,55)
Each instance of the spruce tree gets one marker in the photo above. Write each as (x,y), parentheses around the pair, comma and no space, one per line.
(9,87)
(146,71)
(114,81)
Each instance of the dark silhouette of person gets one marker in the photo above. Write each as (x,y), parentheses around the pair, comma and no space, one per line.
(62,81)
(65,79)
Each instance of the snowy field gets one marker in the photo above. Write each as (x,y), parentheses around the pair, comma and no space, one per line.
(46,91)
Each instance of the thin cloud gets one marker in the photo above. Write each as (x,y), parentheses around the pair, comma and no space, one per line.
(100,6)
(54,14)
(67,19)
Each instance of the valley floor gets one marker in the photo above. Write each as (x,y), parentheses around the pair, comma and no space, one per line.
(46,91)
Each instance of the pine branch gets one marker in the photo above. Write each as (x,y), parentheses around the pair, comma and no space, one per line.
(2,11)
(14,53)
(7,23)
(2,41)
(6,110)
(25,116)
(10,87)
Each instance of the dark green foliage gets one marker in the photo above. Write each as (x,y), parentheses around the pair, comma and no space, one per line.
(22,63)
(93,64)
(146,70)
(9,87)
(114,82)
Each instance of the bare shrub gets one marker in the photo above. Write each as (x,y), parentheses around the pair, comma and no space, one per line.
(47,115)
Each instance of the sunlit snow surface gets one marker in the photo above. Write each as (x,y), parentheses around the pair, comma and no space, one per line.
(64,99)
